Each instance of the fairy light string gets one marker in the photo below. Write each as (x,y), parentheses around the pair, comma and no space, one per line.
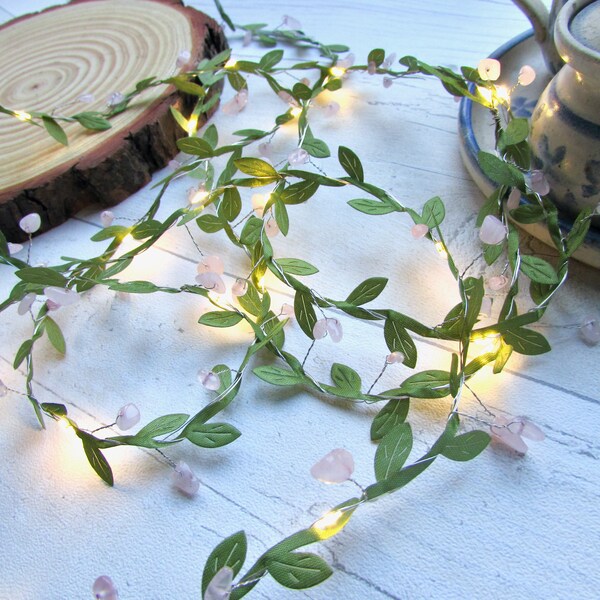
(291,183)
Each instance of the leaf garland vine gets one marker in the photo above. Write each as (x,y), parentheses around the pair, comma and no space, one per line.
(292,186)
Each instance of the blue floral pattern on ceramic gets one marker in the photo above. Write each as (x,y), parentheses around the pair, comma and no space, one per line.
(522,107)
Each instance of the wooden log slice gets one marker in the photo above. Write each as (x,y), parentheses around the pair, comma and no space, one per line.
(98,47)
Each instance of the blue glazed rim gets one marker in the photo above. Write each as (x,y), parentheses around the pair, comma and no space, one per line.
(471,147)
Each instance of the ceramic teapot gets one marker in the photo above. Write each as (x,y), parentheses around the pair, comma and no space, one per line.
(543,22)
(565,125)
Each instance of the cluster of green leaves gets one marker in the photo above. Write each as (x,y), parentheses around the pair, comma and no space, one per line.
(288,188)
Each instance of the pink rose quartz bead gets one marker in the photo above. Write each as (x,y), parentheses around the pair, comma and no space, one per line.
(271,228)
(239,288)
(212,281)
(184,479)
(219,587)
(590,331)
(298,157)
(419,231)
(30,223)
(104,589)
(526,75)
(14,248)
(395,357)
(106,218)
(489,69)
(26,304)
(514,199)
(287,310)
(334,328)
(211,264)
(209,379)
(497,282)
(538,183)
(501,433)
(335,467)
(492,231)
(3,389)
(183,58)
(61,296)
(127,417)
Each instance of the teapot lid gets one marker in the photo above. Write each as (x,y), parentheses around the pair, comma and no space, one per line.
(585,26)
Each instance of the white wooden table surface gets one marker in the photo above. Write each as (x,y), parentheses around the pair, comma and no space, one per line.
(498,527)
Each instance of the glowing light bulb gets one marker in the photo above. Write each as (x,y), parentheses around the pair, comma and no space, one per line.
(441,249)
(22,115)
(486,343)
(199,196)
(64,424)
(486,94)
(261,284)
(296,111)
(337,71)
(230,64)
(192,125)
(502,94)
(330,523)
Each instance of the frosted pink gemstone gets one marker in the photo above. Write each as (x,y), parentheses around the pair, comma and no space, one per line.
(287,97)
(127,417)
(115,98)
(106,218)
(372,68)
(305,81)
(291,22)
(239,288)
(219,587)
(489,69)
(589,331)
(389,60)
(52,306)
(184,479)
(183,58)
(30,223)
(514,199)
(26,303)
(14,248)
(538,183)
(331,109)
(3,389)
(287,310)
(531,431)
(298,157)
(346,62)
(210,380)
(526,75)
(247,39)
(492,230)
(271,228)
(237,103)
(320,329)
(212,281)
(497,282)
(419,230)
(334,328)
(265,149)
(486,308)
(395,357)
(104,589)
(211,264)
(86,98)
(61,296)
(335,467)
(504,436)
(387,82)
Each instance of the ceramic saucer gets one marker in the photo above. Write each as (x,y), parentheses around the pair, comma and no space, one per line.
(476,129)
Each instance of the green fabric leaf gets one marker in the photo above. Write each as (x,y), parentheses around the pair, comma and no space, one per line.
(295,266)
(393,451)
(351,163)
(55,130)
(93,120)
(231,552)
(433,212)
(466,446)
(368,290)
(220,318)
(257,168)
(270,59)
(42,276)
(195,146)
(345,378)
(499,171)
(299,192)
(398,339)
(298,570)
(54,334)
(537,269)
(96,459)
(278,375)
(305,313)
(212,435)
(371,207)
(231,205)
(526,341)
(392,414)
